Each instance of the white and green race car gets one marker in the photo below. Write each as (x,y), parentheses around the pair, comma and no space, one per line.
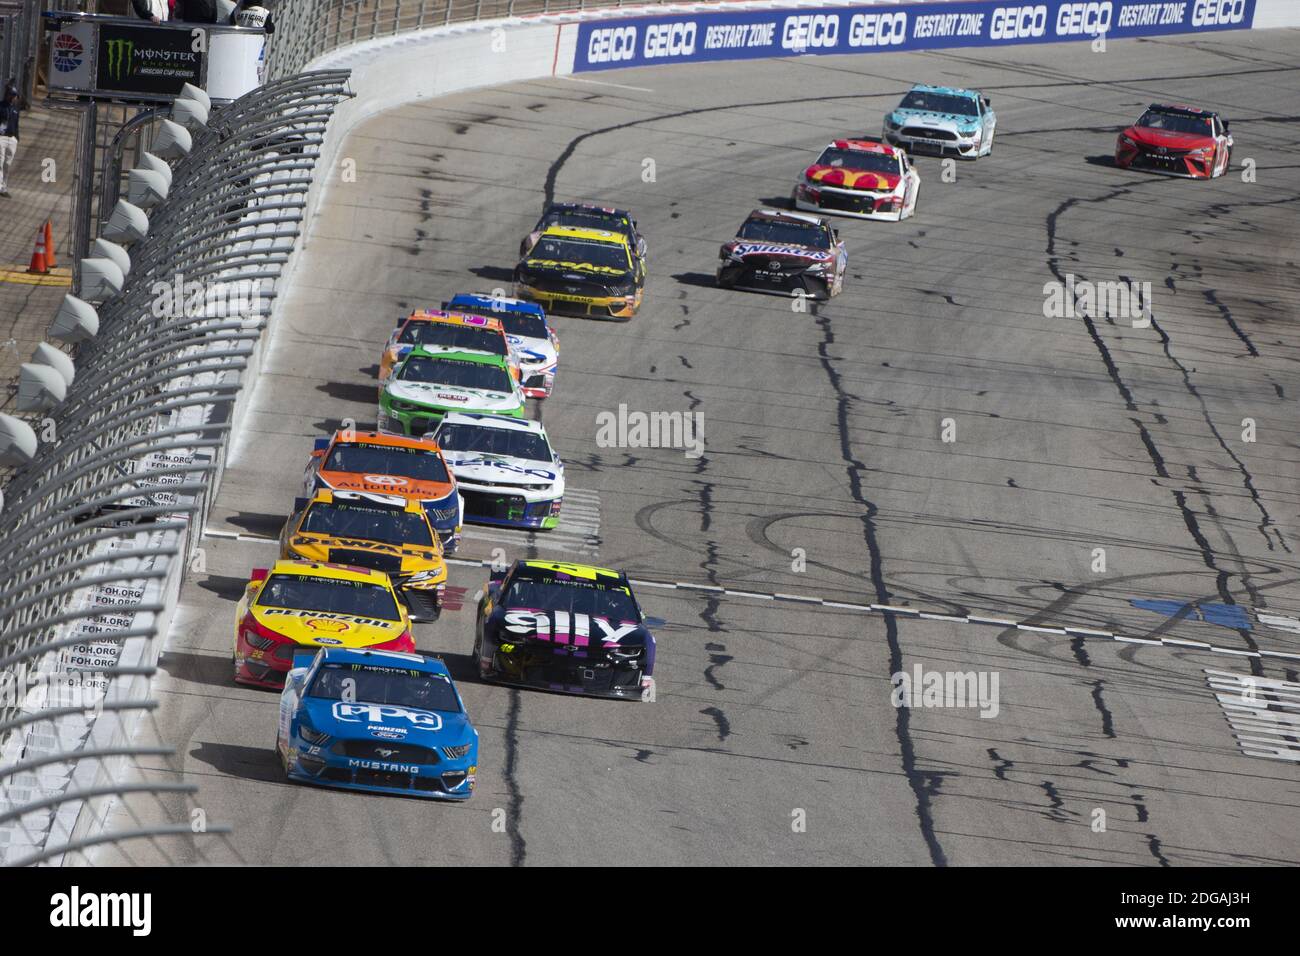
(425,386)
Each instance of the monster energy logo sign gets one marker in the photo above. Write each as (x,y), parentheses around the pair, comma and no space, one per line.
(120,53)
(153,62)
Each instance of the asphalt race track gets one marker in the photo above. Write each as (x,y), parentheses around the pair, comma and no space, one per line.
(824,433)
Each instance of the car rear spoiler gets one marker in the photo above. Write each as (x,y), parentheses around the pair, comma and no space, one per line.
(320,444)
(303,656)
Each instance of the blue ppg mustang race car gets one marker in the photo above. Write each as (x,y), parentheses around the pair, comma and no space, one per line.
(383,721)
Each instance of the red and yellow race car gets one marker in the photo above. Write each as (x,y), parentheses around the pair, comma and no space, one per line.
(297,604)
(386,464)
(859,178)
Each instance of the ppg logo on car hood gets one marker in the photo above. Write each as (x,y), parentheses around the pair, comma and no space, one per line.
(380,713)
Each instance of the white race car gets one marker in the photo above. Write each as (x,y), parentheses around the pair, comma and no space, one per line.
(506,470)
(859,178)
(942,121)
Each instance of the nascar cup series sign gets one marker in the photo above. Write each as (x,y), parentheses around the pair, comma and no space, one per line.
(124,60)
(650,41)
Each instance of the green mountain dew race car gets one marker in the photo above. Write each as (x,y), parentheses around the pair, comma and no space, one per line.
(427,385)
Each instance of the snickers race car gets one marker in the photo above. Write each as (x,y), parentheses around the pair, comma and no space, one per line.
(506,470)
(577,271)
(439,331)
(942,121)
(588,216)
(565,627)
(784,252)
(382,532)
(1176,141)
(297,604)
(377,720)
(529,333)
(859,178)
(380,463)
(427,385)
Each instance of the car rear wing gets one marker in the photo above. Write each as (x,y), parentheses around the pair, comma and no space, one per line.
(304,656)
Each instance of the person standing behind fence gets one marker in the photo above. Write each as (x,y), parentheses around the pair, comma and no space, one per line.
(8,134)
(251,13)
(154,11)
(196,11)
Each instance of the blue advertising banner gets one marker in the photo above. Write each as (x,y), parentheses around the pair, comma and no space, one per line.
(746,34)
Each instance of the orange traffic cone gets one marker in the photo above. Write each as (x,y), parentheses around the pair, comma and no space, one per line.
(38,266)
(50,263)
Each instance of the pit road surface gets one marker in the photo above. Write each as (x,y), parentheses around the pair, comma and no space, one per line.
(823,433)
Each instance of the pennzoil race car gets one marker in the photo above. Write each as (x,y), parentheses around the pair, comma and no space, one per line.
(585,272)
(1176,141)
(565,627)
(942,120)
(589,216)
(508,473)
(376,720)
(297,604)
(529,333)
(381,463)
(439,331)
(381,532)
(784,252)
(859,178)
(427,385)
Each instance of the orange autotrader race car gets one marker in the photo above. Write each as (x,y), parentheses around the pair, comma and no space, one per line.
(387,464)
(437,331)
(296,604)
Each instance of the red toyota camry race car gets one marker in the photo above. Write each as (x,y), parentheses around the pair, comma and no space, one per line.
(1177,141)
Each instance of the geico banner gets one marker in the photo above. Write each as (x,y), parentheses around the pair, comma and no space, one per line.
(648,41)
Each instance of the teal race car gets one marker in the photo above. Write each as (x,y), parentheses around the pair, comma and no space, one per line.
(425,386)
(942,121)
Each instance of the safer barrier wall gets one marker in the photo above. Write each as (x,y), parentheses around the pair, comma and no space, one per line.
(893,27)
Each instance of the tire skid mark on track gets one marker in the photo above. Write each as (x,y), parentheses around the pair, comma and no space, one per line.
(923,784)
(1190,521)
(1248,480)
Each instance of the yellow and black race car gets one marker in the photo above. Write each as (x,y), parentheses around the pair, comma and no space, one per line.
(576,271)
(383,532)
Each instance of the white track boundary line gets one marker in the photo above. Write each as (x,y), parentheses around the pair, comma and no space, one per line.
(883,610)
